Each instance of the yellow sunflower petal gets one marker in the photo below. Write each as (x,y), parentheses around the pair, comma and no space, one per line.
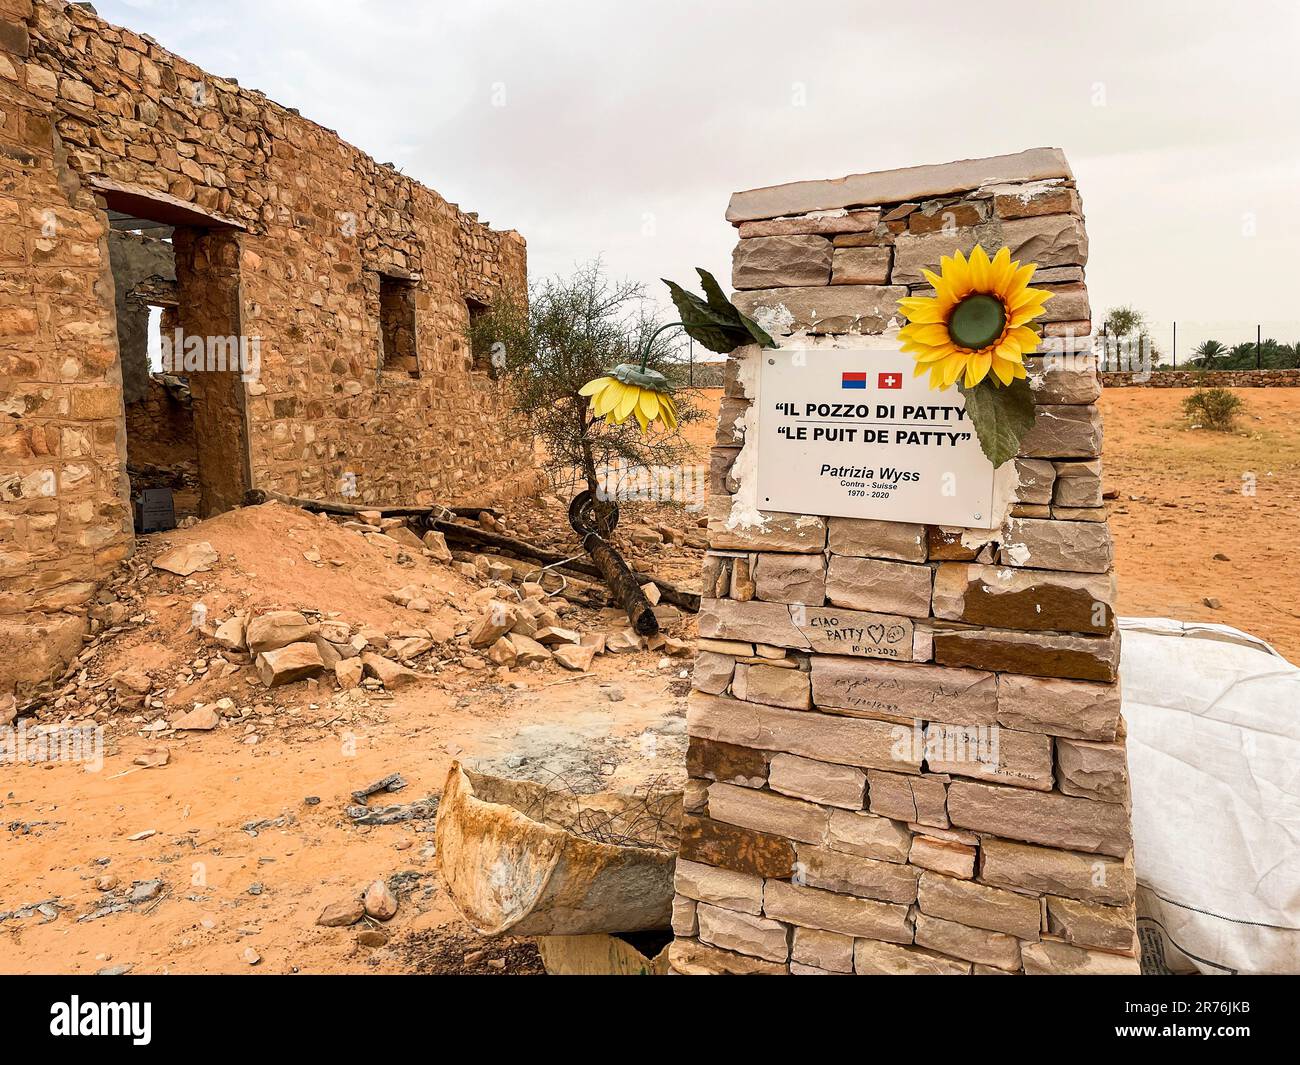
(1026,339)
(921,310)
(942,287)
(668,411)
(648,404)
(642,420)
(929,334)
(592,387)
(977,368)
(958,269)
(935,353)
(608,398)
(1003,370)
(1001,271)
(953,366)
(624,405)
(980,269)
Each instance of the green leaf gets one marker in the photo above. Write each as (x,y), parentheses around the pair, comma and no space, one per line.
(1001,415)
(701,321)
(719,302)
(715,322)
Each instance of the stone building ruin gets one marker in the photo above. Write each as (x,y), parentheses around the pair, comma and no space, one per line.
(141,194)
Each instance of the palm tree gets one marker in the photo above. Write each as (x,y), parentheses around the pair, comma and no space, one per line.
(1209,350)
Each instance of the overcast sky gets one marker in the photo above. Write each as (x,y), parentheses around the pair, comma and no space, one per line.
(619,128)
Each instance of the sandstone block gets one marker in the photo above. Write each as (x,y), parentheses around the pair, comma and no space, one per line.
(731,847)
(1037,817)
(784,578)
(1078,484)
(851,874)
(853,741)
(1093,770)
(868,836)
(814,908)
(692,958)
(904,797)
(684,923)
(755,622)
(1036,199)
(896,186)
(727,762)
(1070,708)
(945,856)
(866,538)
(819,782)
(1033,653)
(1073,546)
(495,622)
(823,950)
(722,887)
(391,675)
(1063,432)
(781,262)
(890,690)
(1048,240)
(1050,958)
(284,665)
(879,585)
(1064,378)
(839,630)
(743,933)
(1031,599)
(1023,759)
(861,266)
(772,685)
(973,944)
(279,628)
(833,309)
(1034,480)
(874,958)
(1089,877)
(185,559)
(763,811)
(1086,924)
(838,222)
(712,672)
(979,906)
(574,656)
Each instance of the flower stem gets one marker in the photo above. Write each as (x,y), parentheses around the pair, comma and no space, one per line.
(645,354)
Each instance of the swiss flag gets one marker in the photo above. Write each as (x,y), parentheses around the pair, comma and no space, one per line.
(890,380)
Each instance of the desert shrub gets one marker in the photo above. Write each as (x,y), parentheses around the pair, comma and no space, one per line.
(1213,408)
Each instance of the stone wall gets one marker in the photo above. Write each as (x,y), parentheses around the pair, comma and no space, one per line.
(294,227)
(963,807)
(1201,379)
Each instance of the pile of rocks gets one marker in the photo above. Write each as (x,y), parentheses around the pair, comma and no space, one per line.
(906,750)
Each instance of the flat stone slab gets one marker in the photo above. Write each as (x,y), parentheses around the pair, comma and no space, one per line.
(895,186)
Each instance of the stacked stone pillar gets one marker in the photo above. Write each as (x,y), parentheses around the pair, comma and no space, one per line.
(962,807)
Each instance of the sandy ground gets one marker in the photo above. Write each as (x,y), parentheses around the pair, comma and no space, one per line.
(1185,495)
(245,829)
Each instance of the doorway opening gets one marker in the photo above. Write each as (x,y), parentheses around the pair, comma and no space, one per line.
(184,361)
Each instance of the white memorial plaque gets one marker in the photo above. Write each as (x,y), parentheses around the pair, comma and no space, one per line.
(851,432)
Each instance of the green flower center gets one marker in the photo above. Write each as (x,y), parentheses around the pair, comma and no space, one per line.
(977,321)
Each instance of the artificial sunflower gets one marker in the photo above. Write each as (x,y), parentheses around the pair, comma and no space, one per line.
(977,322)
(628,391)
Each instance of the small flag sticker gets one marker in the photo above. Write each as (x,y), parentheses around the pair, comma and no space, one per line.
(853,379)
(890,380)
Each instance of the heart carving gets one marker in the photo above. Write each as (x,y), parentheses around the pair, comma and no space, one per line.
(876,632)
